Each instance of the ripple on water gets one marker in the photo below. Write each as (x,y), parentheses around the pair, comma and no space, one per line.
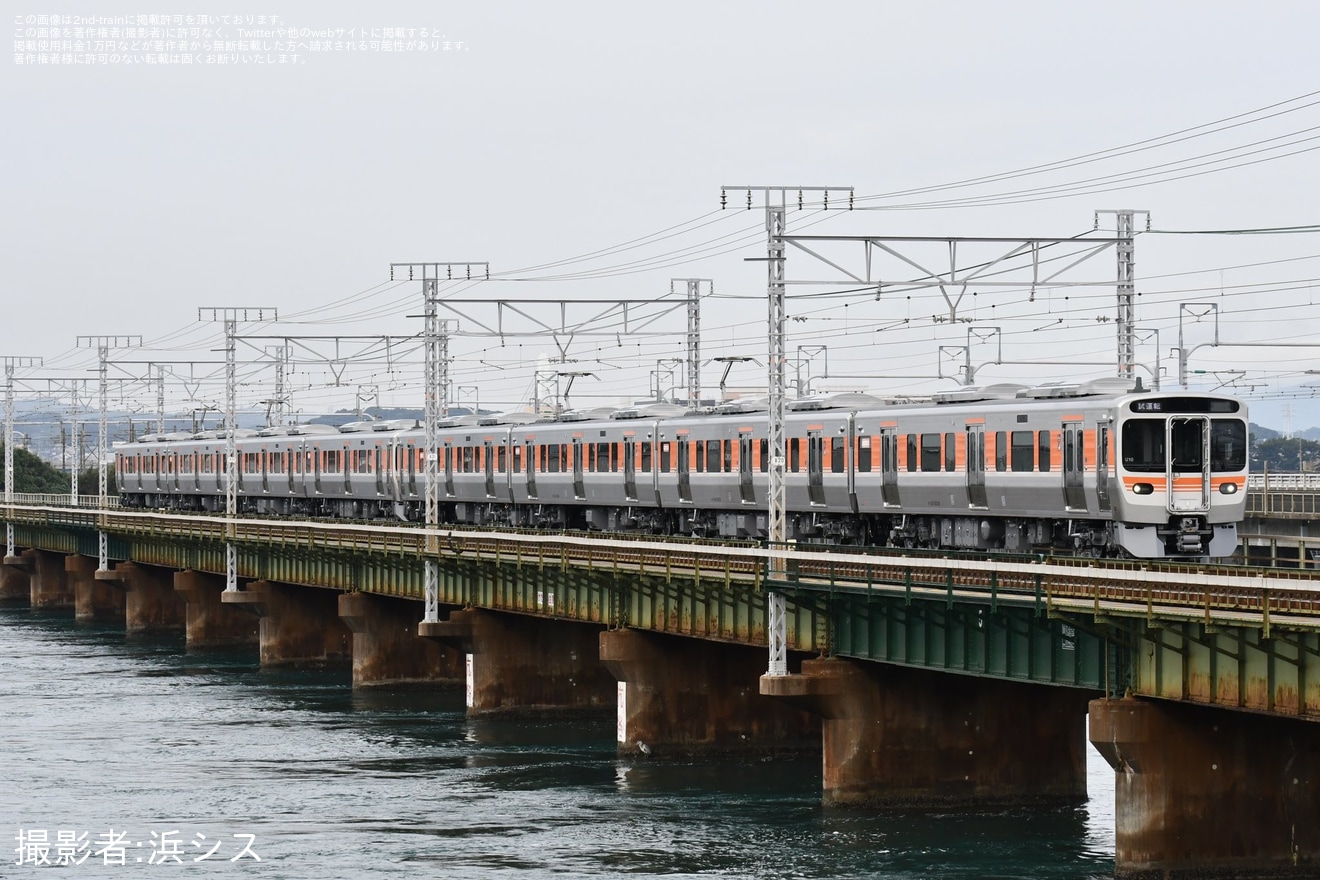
(143,736)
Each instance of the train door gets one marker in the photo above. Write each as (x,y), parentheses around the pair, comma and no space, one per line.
(1074,466)
(488,460)
(265,470)
(976,467)
(815,468)
(746,491)
(348,465)
(394,455)
(378,465)
(889,467)
(412,469)
(1187,468)
(653,451)
(449,469)
(630,469)
(509,462)
(684,471)
(529,460)
(855,447)
(1102,430)
(316,454)
(579,487)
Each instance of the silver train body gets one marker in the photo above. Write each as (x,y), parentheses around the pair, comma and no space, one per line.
(1098,469)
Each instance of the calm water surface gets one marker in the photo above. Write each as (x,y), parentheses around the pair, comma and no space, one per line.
(141,737)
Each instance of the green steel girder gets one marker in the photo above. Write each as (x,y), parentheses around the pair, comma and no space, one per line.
(1231,667)
(704,602)
(1236,652)
(1006,642)
(72,540)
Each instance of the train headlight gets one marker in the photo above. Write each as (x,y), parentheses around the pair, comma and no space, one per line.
(1142,489)
(1228,488)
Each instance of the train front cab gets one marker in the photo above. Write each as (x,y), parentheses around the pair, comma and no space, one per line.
(1182,466)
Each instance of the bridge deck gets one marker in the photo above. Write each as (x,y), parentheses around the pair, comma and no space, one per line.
(1148,628)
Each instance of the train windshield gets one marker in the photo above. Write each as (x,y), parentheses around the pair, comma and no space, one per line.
(1143,445)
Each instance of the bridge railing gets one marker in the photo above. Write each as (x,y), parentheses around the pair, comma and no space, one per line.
(65,500)
(1273,482)
(1209,594)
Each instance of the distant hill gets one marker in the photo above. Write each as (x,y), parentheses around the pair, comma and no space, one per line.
(1260,432)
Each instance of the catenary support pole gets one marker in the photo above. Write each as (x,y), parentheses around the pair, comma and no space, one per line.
(437,403)
(11,364)
(103,344)
(775,200)
(230,316)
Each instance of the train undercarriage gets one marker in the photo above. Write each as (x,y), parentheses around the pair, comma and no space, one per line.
(1186,537)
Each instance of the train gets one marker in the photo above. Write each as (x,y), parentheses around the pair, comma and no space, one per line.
(1100,468)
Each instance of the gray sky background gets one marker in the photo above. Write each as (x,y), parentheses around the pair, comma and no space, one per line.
(135,194)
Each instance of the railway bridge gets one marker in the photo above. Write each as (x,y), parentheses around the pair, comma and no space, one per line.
(925,680)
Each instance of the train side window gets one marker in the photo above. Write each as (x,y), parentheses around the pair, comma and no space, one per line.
(665,456)
(1024,456)
(837,456)
(794,447)
(728,456)
(646,456)
(713,456)
(501,459)
(517,459)
(1043,457)
(950,452)
(701,456)
(864,455)
(911,452)
(765,456)
(930,452)
(1001,450)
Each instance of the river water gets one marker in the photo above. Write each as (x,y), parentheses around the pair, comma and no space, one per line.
(196,763)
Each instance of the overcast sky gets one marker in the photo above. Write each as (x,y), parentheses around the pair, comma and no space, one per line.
(137,193)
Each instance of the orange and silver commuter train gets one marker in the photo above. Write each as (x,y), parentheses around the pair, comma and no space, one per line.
(1101,468)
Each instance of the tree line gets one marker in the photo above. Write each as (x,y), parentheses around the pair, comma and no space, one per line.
(34,476)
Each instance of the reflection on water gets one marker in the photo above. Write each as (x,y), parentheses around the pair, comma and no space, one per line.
(143,736)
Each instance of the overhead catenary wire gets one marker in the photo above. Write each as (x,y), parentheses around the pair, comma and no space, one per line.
(1178,136)
(385,301)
